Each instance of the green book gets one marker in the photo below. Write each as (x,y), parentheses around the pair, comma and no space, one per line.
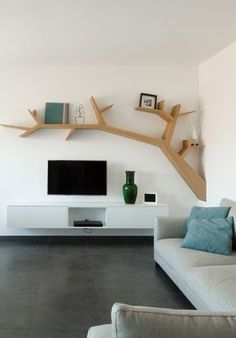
(56,113)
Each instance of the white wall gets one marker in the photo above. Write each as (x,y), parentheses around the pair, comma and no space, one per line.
(23,169)
(217,83)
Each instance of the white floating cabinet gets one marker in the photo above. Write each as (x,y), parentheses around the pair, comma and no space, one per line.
(113,216)
(37,217)
(134,217)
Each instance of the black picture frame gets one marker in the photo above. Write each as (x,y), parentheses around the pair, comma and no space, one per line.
(148,101)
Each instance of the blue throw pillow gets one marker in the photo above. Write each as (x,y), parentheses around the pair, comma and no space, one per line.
(211,235)
(208,213)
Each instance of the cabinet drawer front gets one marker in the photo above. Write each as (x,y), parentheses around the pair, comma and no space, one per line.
(134,217)
(37,217)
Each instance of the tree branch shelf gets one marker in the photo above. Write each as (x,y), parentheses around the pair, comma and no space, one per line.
(196,183)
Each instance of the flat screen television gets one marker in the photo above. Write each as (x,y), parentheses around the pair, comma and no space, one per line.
(77,177)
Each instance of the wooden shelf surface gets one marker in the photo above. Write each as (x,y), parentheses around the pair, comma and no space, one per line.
(68,126)
(187,146)
(165,116)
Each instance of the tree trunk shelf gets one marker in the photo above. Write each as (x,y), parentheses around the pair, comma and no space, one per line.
(196,183)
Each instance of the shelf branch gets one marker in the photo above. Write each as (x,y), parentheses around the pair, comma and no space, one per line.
(31,130)
(196,183)
(71,132)
(186,113)
(187,146)
(132,135)
(33,113)
(14,127)
(161,105)
(169,130)
(98,111)
(103,109)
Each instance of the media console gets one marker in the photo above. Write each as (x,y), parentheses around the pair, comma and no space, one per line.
(112,215)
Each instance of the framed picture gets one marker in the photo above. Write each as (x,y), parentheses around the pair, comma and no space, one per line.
(150,198)
(148,101)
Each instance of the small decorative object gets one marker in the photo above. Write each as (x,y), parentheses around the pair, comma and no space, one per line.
(148,101)
(194,133)
(80,114)
(150,198)
(130,189)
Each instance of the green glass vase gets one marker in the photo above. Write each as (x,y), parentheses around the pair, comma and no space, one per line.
(130,189)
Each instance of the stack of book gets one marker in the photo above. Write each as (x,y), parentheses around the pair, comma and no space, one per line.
(56,113)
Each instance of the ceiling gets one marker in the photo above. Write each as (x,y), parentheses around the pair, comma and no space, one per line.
(114,32)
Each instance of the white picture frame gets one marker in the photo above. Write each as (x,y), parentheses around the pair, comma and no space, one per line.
(150,198)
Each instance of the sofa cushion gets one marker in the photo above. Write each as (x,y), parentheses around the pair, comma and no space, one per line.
(232,212)
(211,235)
(180,259)
(216,285)
(208,213)
(227,202)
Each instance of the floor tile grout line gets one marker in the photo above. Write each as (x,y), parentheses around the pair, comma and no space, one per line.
(35,308)
(38,293)
(95,285)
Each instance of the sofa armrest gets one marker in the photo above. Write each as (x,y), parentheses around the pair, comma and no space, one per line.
(101,331)
(139,322)
(170,228)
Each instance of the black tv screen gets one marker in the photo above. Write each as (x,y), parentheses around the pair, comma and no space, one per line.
(77,177)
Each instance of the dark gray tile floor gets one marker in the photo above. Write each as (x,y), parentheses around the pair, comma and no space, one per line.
(59,287)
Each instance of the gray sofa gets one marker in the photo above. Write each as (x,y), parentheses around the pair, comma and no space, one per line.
(146,322)
(208,281)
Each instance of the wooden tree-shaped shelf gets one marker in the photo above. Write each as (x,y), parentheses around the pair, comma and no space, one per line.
(196,183)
